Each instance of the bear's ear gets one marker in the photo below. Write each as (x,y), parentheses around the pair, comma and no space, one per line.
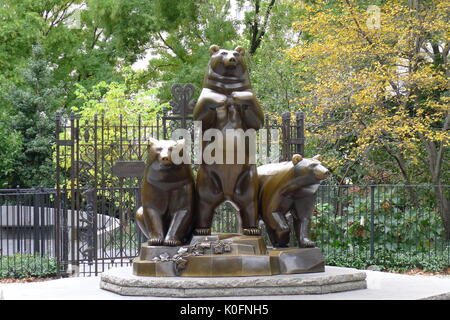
(296,158)
(152,141)
(240,49)
(213,49)
(318,157)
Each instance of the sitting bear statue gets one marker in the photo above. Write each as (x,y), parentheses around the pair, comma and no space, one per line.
(167,193)
(289,187)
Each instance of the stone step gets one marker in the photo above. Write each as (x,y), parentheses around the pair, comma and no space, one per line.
(333,279)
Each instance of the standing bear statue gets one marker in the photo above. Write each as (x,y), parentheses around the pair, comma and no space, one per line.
(226,103)
(289,187)
(167,193)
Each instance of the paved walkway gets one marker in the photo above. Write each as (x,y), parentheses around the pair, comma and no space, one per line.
(380,286)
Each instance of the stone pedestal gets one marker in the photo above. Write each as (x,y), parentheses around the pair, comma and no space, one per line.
(333,279)
(223,265)
(225,255)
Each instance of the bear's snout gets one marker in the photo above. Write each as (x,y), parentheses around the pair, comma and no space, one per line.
(164,156)
(230,61)
(165,159)
(321,172)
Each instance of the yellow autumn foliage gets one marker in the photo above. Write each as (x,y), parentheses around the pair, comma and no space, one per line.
(379,76)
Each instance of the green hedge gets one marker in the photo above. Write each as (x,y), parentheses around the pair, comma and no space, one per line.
(20,266)
(407,234)
(389,261)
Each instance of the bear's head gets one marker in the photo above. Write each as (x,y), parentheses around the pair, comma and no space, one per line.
(166,152)
(309,167)
(227,70)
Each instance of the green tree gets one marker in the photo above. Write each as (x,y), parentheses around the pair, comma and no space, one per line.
(380,89)
(87,41)
(34,105)
(10,147)
(19,30)
(274,77)
(181,50)
(258,16)
(115,99)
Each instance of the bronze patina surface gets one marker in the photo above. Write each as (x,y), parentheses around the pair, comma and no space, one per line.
(289,187)
(227,102)
(167,195)
(225,255)
(296,260)
(173,213)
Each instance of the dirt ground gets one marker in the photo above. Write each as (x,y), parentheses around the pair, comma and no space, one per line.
(418,272)
(32,279)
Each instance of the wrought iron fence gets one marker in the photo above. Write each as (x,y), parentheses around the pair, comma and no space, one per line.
(373,224)
(87,224)
(391,225)
(99,166)
(33,237)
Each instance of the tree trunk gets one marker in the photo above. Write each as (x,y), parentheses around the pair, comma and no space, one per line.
(436,153)
(435,159)
(401,164)
(444,209)
(258,31)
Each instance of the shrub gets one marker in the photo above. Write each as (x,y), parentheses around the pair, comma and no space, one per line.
(20,266)
(389,261)
(407,233)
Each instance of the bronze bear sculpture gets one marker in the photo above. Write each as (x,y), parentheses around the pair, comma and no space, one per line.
(289,186)
(167,193)
(227,102)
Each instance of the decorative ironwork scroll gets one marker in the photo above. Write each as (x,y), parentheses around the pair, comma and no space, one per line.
(181,103)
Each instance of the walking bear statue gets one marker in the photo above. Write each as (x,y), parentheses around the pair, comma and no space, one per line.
(289,187)
(167,194)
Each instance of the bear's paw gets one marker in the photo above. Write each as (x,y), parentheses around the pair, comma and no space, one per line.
(202,231)
(252,232)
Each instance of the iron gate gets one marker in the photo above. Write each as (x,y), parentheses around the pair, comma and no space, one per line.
(99,163)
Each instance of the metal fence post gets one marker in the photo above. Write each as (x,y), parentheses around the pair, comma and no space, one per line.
(64,231)
(164,124)
(372,221)
(18,214)
(95,190)
(36,226)
(57,210)
(300,126)
(286,132)
(267,125)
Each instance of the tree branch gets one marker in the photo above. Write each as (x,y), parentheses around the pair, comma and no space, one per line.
(96,37)
(59,16)
(440,152)
(257,32)
(400,163)
(360,30)
(170,47)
